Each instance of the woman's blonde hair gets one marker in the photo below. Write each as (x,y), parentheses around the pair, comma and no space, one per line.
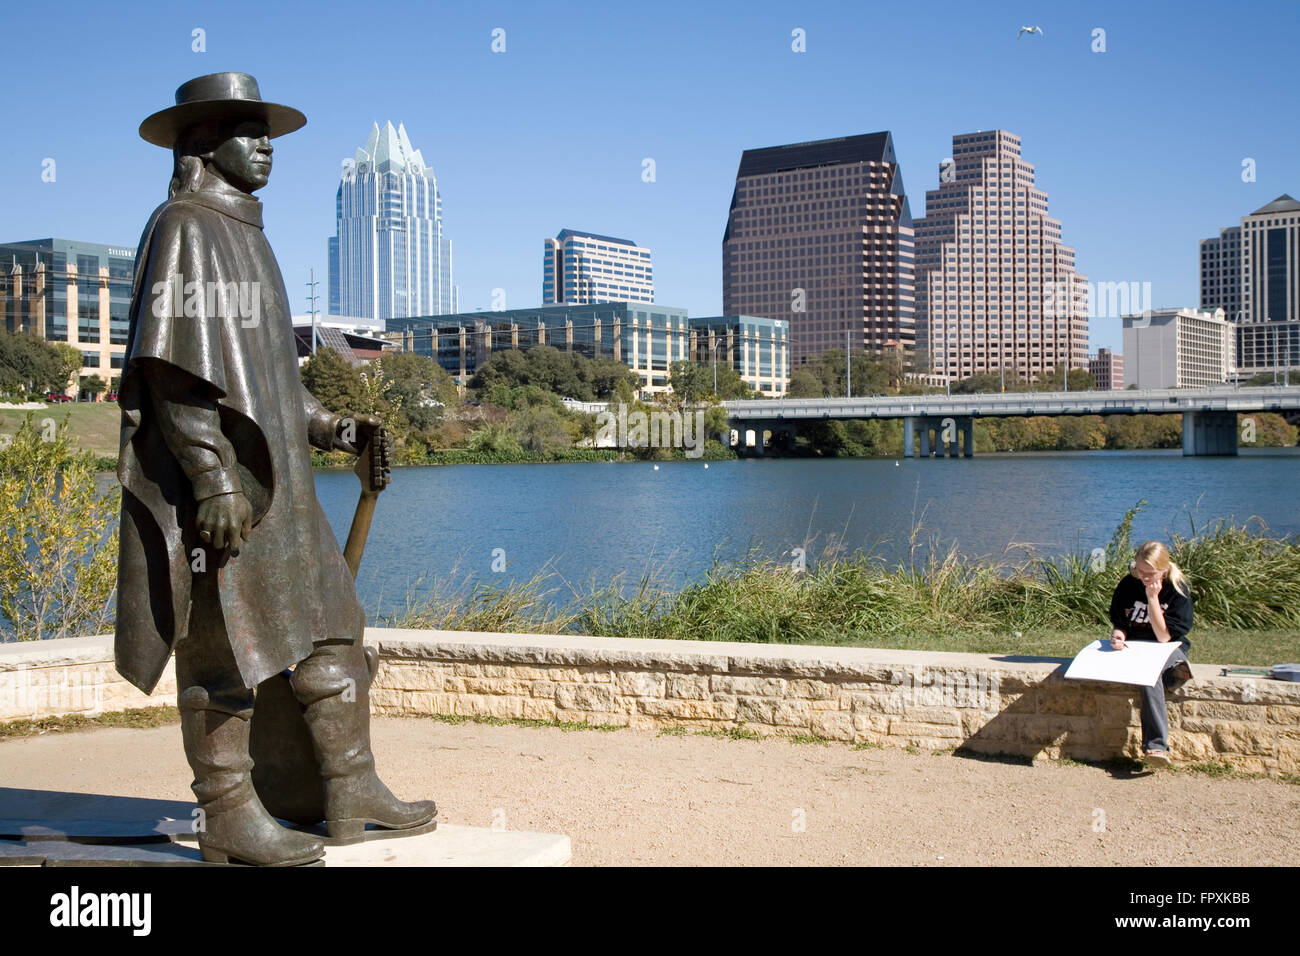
(1156,554)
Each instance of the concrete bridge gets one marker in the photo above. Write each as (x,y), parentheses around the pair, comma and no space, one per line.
(946,422)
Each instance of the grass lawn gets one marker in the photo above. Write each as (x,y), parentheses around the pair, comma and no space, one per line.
(94,426)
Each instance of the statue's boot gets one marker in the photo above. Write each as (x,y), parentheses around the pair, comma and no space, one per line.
(333,687)
(233,824)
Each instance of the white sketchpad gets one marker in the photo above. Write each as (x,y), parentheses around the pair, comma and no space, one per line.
(1140,662)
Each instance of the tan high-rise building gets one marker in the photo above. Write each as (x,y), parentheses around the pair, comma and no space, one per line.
(820,234)
(994,285)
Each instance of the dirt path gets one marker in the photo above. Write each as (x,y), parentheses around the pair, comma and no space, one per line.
(634,797)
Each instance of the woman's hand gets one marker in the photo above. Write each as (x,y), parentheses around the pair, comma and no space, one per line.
(1117,639)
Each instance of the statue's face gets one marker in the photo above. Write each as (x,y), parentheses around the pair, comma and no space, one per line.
(243,159)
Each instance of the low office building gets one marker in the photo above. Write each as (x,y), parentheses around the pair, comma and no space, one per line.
(1107,369)
(647,338)
(757,348)
(1175,348)
(65,290)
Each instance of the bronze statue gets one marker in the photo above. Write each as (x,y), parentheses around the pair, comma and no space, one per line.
(226,556)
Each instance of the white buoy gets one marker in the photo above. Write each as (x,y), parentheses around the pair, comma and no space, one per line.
(706,464)
(656,467)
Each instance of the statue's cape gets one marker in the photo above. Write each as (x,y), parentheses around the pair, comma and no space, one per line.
(185,238)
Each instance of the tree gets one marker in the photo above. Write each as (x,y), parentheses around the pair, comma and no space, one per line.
(804,383)
(690,382)
(421,387)
(542,430)
(333,381)
(58,536)
(605,374)
(94,385)
(30,364)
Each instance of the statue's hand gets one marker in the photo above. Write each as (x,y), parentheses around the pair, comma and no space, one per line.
(225,521)
(354,432)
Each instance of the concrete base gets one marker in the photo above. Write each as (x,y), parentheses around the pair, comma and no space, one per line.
(451,845)
(445,846)
(53,828)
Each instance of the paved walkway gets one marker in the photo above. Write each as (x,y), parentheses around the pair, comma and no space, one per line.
(634,797)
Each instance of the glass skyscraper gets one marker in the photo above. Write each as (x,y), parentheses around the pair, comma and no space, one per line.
(389,257)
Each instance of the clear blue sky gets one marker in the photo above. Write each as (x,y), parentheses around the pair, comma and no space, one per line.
(1139,148)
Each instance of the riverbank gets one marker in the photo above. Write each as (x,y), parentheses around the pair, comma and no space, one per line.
(1246,585)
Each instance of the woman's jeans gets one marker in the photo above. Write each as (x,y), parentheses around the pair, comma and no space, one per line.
(1155,719)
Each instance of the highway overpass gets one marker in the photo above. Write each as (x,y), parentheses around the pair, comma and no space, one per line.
(1209,414)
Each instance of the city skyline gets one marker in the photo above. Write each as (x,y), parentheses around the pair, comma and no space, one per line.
(1135,209)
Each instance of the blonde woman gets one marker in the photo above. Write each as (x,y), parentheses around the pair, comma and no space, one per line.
(1153,602)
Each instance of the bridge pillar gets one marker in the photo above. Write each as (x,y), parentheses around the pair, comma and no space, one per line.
(1209,433)
(925,438)
(909,438)
(966,426)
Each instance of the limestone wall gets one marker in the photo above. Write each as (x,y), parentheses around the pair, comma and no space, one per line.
(71,676)
(983,703)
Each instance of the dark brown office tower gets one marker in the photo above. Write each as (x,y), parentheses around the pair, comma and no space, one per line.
(820,234)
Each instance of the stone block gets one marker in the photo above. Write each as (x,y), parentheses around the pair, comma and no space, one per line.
(678,708)
(1068,701)
(1192,746)
(1115,711)
(542,689)
(874,724)
(932,715)
(1048,729)
(755,686)
(973,721)
(1242,738)
(1223,710)
(587,697)
(876,703)
(482,705)
(387,699)
(688,686)
(791,713)
(538,709)
(1283,715)
(755,710)
(600,718)
(898,727)
(596,675)
(813,689)
(833,725)
(640,684)
(495,685)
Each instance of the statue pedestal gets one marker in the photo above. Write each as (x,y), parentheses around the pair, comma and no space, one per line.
(446,846)
(80,829)
(451,845)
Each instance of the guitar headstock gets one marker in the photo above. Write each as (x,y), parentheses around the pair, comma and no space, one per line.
(373,467)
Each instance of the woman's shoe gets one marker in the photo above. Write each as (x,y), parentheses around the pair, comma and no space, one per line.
(1156,759)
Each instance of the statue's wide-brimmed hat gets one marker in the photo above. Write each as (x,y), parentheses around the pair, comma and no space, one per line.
(217,96)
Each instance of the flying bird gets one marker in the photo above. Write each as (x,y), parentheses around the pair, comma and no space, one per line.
(1024,30)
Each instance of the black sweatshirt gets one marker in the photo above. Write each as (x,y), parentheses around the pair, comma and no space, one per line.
(1128,611)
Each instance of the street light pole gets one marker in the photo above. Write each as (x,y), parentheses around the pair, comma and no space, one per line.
(311,300)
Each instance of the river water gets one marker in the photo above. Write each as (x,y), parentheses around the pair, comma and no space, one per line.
(588,522)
